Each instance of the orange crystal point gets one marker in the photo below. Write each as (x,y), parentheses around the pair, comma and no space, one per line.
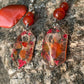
(22,54)
(24,44)
(54,47)
(23,50)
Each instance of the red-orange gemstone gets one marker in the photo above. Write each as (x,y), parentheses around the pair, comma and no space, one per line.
(24,44)
(28,20)
(31,43)
(22,54)
(11,14)
(30,14)
(15,53)
(59,13)
(64,5)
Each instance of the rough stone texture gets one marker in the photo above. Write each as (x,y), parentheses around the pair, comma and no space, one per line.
(4,77)
(70,72)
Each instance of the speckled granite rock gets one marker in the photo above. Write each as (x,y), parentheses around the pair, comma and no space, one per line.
(4,78)
(36,72)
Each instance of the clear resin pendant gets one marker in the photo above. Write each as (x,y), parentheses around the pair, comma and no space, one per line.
(23,48)
(54,47)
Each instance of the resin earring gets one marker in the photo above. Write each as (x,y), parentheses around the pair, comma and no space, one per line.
(54,46)
(23,48)
(24,45)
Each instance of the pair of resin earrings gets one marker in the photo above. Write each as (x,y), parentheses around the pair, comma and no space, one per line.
(54,44)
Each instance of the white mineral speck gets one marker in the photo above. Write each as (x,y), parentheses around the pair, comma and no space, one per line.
(11,71)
